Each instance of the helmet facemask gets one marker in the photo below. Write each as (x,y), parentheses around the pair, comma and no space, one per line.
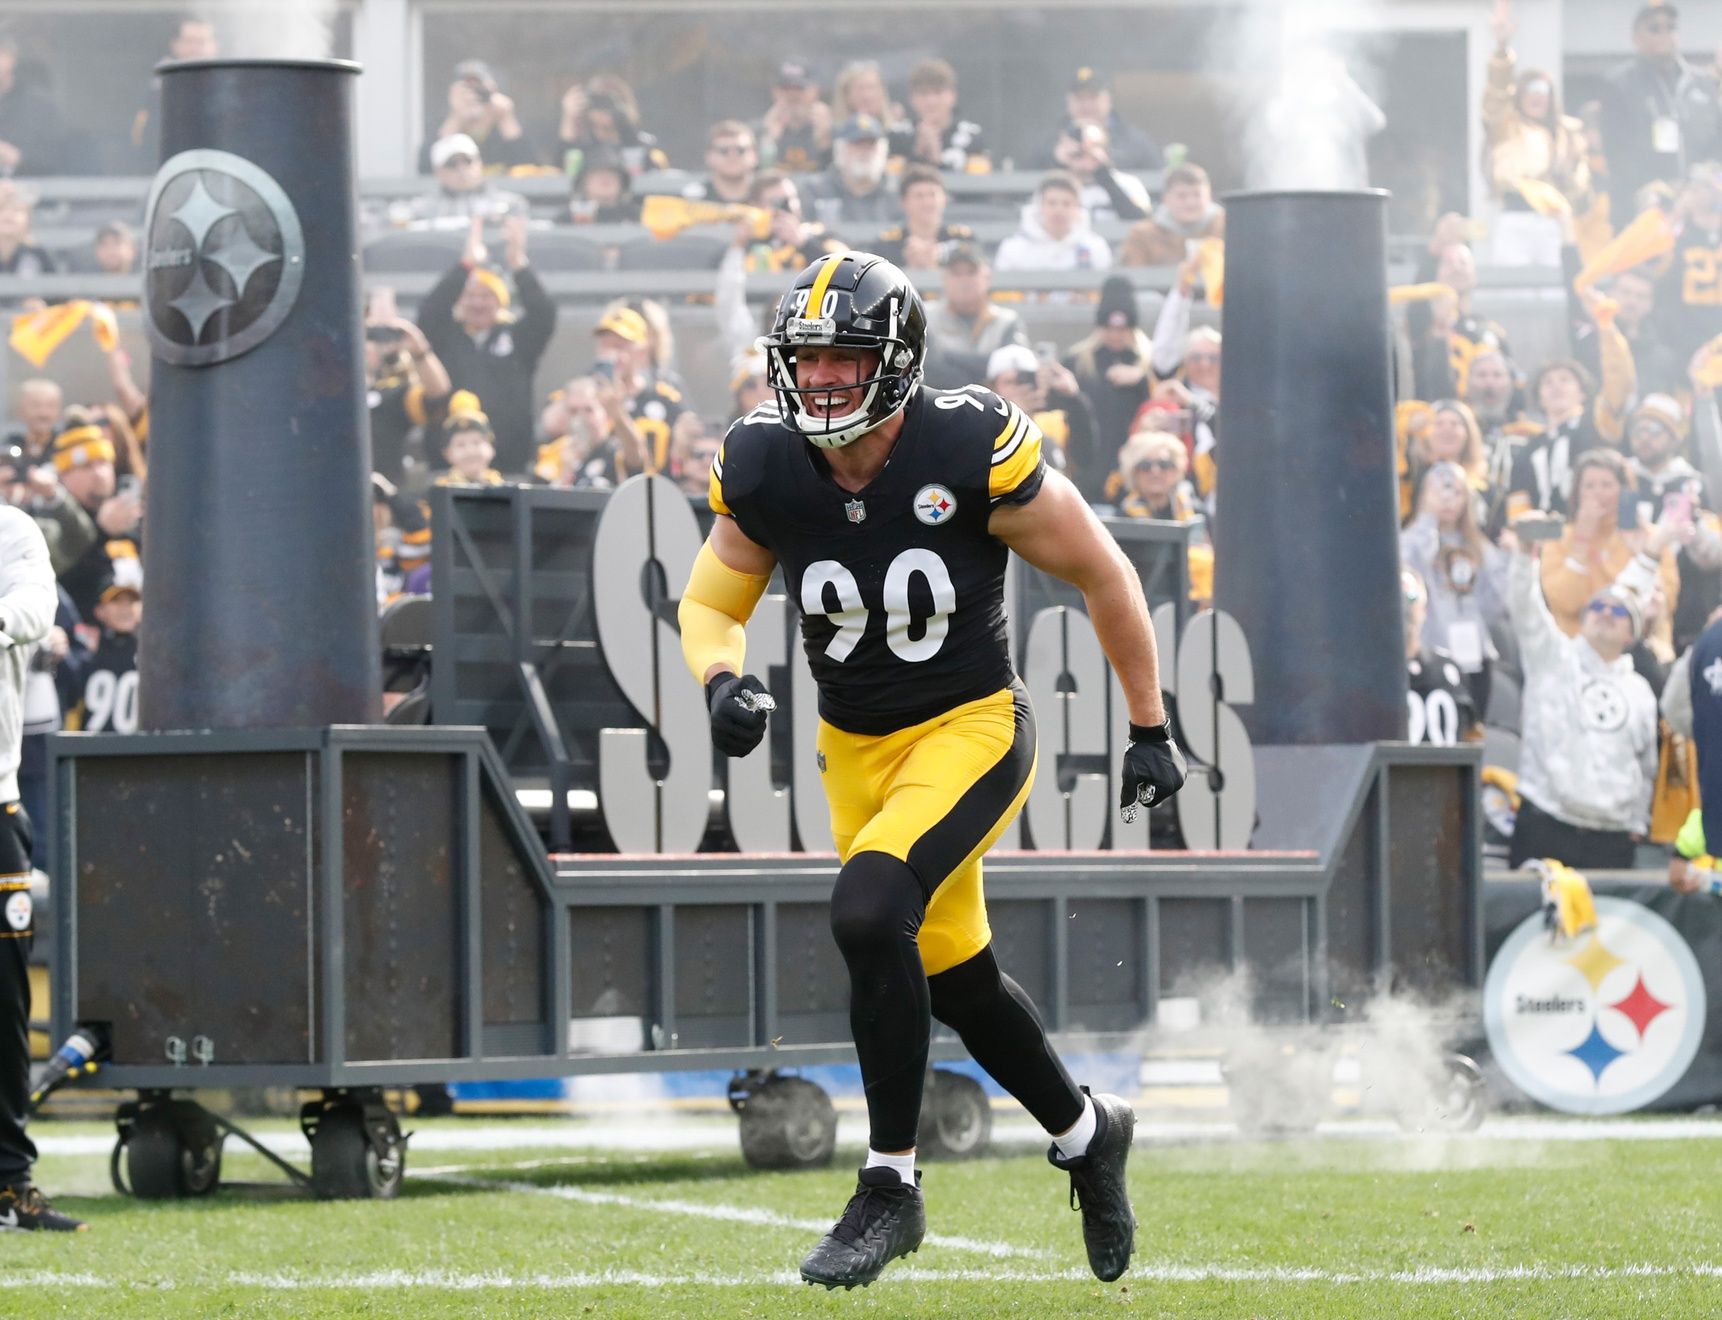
(884,394)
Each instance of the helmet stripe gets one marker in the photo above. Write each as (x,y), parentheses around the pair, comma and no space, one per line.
(821,282)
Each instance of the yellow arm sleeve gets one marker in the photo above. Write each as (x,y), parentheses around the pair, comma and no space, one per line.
(716,603)
(1619,381)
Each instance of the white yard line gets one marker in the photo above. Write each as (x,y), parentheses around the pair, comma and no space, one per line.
(735,1214)
(476,1281)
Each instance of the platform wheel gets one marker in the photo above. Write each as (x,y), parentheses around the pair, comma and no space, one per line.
(956,1117)
(1279,1092)
(1457,1099)
(786,1123)
(170,1150)
(357,1153)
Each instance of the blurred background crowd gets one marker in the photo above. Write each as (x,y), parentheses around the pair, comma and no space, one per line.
(569,257)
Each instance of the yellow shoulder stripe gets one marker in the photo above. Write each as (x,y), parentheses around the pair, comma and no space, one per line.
(1016,455)
(714,490)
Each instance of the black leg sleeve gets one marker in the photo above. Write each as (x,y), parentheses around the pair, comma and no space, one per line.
(17,1152)
(876,912)
(1001,1030)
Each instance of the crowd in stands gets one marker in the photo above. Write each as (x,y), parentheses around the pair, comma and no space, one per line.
(1561,541)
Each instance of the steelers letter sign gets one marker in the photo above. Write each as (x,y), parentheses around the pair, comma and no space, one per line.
(1600,1024)
(223,260)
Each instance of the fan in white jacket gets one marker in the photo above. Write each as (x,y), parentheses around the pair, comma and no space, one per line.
(1588,719)
(1055,234)
(27,604)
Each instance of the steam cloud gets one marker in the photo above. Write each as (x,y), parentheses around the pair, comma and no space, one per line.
(1394,1053)
(1307,121)
(290,29)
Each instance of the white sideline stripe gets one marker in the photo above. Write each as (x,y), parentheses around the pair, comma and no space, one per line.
(1422,1276)
(735,1214)
(576,1134)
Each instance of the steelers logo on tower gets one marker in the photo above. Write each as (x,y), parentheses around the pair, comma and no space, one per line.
(223,261)
(1600,1024)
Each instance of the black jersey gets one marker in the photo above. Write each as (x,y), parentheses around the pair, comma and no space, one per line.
(1689,302)
(1440,707)
(900,585)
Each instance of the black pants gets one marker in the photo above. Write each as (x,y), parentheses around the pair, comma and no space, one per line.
(876,911)
(17,1152)
(1538,834)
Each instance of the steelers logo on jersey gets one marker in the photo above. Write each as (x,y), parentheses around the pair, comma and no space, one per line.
(1602,705)
(934,505)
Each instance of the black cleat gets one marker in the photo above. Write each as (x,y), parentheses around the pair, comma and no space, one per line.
(885,1219)
(26,1210)
(1097,1184)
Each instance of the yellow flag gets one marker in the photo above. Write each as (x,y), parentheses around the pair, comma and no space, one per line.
(35,335)
(1646,238)
(1211,262)
(1710,367)
(665,217)
(1400,294)
(1543,198)
(104,327)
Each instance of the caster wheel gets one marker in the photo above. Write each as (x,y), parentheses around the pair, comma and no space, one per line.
(1281,1093)
(171,1151)
(957,1119)
(787,1123)
(345,1163)
(1456,1101)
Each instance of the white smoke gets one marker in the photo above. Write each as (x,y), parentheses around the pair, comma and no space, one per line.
(283,29)
(1308,114)
(1391,1056)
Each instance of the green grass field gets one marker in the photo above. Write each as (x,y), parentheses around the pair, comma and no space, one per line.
(1358,1222)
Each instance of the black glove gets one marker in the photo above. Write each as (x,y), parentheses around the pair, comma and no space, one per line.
(1154,769)
(739,707)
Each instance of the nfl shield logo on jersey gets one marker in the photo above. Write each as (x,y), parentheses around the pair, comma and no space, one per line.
(934,505)
(856,510)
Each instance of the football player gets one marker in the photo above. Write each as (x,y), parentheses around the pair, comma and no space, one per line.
(892,509)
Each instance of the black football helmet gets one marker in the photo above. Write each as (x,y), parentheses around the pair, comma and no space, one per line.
(852,300)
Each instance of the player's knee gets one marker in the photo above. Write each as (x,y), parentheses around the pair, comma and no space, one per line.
(876,903)
(967,992)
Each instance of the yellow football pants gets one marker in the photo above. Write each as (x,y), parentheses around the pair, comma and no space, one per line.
(936,796)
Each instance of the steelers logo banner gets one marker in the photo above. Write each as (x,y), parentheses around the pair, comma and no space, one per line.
(224,258)
(1603,1023)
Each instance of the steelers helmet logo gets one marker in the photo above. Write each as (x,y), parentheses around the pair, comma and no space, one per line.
(1602,706)
(18,910)
(224,258)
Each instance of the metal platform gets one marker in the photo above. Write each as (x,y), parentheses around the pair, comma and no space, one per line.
(415,935)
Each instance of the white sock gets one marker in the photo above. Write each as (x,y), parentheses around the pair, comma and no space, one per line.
(1075,1142)
(903,1164)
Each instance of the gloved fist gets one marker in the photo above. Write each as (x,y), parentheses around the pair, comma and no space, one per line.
(738,708)
(1154,769)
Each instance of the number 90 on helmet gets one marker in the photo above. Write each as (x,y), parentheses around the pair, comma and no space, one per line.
(848,300)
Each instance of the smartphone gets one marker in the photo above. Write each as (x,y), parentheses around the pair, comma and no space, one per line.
(1539,527)
(604,369)
(1046,351)
(1628,510)
(1677,507)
